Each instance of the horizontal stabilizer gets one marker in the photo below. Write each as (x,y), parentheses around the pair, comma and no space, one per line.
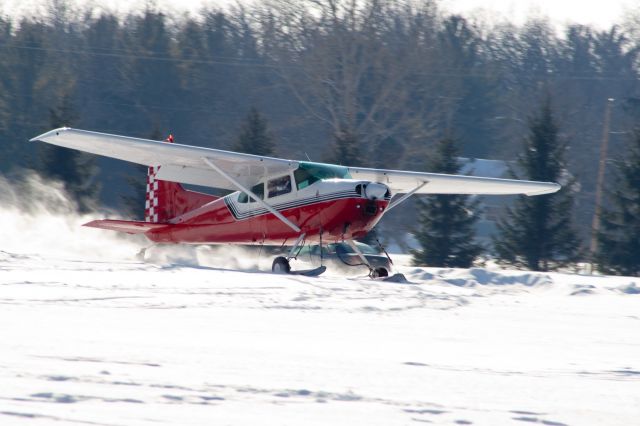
(128,226)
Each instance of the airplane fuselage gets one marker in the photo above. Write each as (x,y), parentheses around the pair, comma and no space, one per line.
(336,208)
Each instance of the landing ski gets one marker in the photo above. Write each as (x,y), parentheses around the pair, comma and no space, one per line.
(310,272)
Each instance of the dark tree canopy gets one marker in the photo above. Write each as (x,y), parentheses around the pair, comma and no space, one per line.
(619,238)
(446,233)
(75,169)
(254,137)
(368,83)
(537,232)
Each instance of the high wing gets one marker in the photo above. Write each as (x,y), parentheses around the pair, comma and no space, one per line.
(403,182)
(180,163)
(193,165)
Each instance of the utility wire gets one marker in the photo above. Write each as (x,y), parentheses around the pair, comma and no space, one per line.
(243,62)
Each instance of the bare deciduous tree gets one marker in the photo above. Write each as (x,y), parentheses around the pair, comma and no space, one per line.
(350,65)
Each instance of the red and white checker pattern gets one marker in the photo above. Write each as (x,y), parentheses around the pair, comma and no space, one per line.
(151,206)
(151,203)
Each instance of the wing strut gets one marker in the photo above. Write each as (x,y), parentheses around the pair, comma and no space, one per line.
(355,248)
(405,196)
(251,194)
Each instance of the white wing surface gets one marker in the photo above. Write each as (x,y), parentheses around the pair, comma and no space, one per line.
(185,164)
(401,182)
(180,163)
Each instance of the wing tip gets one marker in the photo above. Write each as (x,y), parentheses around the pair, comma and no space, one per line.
(51,133)
(551,187)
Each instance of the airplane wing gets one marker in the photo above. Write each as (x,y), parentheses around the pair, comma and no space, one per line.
(188,164)
(403,182)
(180,163)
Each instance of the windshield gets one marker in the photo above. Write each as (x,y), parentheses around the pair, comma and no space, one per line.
(257,189)
(309,173)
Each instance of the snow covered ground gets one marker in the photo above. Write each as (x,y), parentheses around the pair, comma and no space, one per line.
(90,336)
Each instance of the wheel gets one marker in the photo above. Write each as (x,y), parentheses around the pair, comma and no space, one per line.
(380,273)
(280,265)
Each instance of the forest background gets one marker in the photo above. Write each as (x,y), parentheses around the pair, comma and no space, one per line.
(386,79)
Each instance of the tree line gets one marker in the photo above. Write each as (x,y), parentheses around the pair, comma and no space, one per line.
(371,83)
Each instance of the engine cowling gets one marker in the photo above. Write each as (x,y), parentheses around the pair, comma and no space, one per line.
(375,191)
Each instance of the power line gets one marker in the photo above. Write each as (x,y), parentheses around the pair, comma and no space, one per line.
(245,62)
(236,62)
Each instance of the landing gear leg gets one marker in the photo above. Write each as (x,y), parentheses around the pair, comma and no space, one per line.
(292,253)
(352,244)
(386,273)
(321,249)
(281,263)
(141,254)
(373,272)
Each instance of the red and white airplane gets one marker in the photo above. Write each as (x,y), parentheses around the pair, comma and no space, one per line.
(276,201)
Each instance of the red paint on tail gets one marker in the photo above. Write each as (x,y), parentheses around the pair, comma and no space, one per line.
(166,200)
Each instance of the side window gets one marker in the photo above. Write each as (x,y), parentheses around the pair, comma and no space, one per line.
(256,189)
(279,186)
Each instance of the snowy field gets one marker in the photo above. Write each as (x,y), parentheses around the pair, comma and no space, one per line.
(197,336)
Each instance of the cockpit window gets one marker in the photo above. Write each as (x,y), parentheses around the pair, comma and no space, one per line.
(309,173)
(279,186)
(256,189)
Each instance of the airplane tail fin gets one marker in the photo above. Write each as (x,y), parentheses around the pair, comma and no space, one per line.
(166,200)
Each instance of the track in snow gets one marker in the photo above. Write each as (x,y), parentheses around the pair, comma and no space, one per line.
(88,336)
(124,343)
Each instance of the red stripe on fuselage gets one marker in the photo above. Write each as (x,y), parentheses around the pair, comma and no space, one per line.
(218,225)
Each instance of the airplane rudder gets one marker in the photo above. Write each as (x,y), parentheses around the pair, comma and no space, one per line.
(160,196)
(152,201)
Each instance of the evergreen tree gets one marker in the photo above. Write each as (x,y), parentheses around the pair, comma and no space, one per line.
(5,38)
(446,232)
(77,170)
(618,242)
(254,136)
(537,232)
(471,100)
(104,78)
(20,74)
(148,78)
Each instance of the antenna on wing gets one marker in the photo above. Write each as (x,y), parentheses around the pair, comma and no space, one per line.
(307,155)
